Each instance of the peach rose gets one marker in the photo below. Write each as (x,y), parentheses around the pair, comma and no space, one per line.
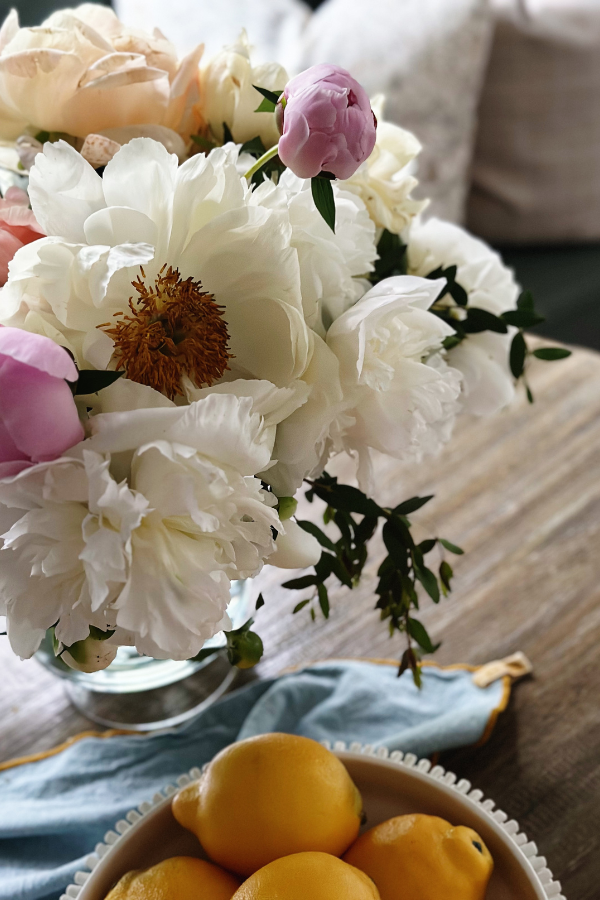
(83,71)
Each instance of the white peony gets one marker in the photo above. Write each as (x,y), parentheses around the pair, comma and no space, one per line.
(397,386)
(386,180)
(333,265)
(146,215)
(152,556)
(332,269)
(66,554)
(483,359)
(227,94)
(83,71)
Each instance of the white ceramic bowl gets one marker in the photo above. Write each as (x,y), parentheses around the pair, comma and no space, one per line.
(390,784)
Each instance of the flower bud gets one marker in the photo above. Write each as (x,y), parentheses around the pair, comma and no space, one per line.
(244,647)
(326,122)
(89,655)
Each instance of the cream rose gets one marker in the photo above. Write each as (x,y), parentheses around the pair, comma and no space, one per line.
(386,180)
(227,94)
(82,72)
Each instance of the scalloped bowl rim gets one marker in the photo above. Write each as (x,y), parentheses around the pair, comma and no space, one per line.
(537,872)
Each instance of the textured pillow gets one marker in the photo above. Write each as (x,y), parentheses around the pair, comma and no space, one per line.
(427,56)
(536,171)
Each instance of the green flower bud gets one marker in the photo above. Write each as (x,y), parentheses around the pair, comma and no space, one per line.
(89,655)
(287,508)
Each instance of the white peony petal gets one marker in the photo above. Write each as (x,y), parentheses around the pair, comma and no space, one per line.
(142,176)
(295,548)
(64,190)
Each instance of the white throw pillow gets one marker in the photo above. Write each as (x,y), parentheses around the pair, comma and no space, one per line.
(536,171)
(427,56)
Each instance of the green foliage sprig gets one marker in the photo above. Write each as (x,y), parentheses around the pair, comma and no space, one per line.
(357,518)
(393,260)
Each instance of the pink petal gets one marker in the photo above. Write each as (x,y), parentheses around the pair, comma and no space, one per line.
(38,411)
(21,222)
(9,469)
(16,195)
(9,452)
(37,351)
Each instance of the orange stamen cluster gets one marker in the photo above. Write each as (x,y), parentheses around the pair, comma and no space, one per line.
(175,329)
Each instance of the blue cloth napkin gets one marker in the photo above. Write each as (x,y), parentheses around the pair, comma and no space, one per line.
(54,811)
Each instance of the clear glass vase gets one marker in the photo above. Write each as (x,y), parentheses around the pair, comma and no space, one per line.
(138,693)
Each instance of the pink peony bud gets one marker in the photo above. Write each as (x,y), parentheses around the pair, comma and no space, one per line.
(38,416)
(327,123)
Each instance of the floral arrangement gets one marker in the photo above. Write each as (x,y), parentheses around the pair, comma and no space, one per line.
(223,281)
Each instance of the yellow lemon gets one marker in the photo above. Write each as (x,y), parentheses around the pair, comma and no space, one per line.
(422,857)
(270,796)
(308,876)
(178,878)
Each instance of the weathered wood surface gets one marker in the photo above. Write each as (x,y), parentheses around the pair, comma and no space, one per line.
(521,494)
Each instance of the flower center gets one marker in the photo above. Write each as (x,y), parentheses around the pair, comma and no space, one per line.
(175,329)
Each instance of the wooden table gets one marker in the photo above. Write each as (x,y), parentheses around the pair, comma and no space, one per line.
(521,493)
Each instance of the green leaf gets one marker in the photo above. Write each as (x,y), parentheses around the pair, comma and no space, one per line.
(300,606)
(260,602)
(316,532)
(394,544)
(456,290)
(446,574)
(530,397)
(427,546)
(366,529)
(204,654)
(346,498)
(429,582)
(522,318)
(518,352)
(323,600)
(227,135)
(322,192)
(551,353)
(340,572)
(324,567)
(412,505)
(418,632)
(91,381)
(298,584)
(271,96)
(97,635)
(453,340)
(392,257)
(254,146)
(479,320)
(451,547)
(267,106)
(202,142)
(525,301)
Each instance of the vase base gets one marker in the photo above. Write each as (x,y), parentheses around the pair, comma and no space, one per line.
(162,707)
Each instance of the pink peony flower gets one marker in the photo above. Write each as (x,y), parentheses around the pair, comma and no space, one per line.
(327,123)
(18,226)
(38,416)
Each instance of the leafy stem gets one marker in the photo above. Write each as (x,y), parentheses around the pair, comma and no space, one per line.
(357,517)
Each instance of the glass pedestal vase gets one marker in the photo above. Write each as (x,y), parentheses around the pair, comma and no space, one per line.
(138,693)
